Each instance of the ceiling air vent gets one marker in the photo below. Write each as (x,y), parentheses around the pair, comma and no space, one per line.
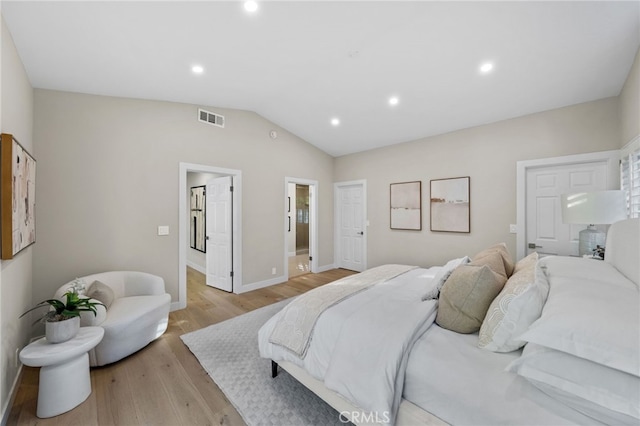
(211,118)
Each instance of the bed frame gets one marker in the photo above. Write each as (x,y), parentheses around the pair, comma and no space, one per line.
(408,414)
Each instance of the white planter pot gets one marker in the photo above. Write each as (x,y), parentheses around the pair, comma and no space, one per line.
(61,331)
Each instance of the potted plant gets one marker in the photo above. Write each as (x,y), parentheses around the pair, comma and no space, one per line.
(62,320)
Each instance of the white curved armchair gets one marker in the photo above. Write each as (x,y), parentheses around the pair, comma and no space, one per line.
(138,314)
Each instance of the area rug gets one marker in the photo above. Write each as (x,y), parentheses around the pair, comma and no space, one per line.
(228,351)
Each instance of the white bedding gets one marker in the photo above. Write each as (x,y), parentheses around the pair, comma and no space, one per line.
(446,373)
(298,319)
(450,377)
(350,339)
(590,310)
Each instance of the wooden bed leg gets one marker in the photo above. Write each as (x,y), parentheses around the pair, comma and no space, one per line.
(274,369)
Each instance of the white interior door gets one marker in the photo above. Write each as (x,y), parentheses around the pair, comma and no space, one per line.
(351,220)
(219,211)
(545,231)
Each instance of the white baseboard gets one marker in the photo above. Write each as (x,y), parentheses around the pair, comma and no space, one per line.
(326,268)
(260,284)
(176,306)
(199,268)
(6,409)
(273,281)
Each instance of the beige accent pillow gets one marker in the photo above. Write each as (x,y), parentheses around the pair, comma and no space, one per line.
(466,296)
(517,306)
(493,260)
(526,262)
(500,248)
(102,292)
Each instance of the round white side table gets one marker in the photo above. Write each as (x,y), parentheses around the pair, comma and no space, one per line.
(64,374)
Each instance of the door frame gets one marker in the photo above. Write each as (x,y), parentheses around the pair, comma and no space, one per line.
(183,231)
(611,158)
(336,215)
(313,218)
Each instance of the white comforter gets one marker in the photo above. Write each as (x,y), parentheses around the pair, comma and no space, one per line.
(372,332)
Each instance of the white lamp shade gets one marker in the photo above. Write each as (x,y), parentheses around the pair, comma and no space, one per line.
(596,208)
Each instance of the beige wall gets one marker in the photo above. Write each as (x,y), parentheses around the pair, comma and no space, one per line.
(488,154)
(111,177)
(630,104)
(15,275)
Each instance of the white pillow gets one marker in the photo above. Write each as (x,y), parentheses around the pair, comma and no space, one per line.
(517,306)
(594,316)
(442,275)
(581,383)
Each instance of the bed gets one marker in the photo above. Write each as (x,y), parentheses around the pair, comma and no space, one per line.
(479,340)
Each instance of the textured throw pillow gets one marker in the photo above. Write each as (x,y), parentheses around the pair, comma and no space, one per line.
(466,296)
(102,292)
(501,249)
(532,259)
(442,275)
(517,306)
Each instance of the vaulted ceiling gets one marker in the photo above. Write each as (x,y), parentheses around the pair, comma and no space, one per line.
(301,64)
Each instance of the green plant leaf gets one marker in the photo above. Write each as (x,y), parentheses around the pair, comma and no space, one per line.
(72,308)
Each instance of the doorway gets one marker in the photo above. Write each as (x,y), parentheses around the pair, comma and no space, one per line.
(350,201)
(300,227)
(299,263)
(184,226)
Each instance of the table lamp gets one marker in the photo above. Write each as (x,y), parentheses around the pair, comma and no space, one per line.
(593,208)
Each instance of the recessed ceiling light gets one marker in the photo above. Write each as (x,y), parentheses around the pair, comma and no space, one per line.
(486,67)
(251,6)
(197,69)
(393,101)
(335,121)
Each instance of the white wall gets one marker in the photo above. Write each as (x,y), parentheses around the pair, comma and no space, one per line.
(15,274)
(109,176)
(488,154)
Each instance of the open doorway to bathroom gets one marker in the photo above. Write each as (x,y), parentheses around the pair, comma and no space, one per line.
(299,231)
(300,226)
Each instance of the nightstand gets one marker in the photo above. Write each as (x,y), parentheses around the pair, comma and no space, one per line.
(64,374)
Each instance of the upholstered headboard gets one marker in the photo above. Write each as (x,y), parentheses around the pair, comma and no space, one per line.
(623,248)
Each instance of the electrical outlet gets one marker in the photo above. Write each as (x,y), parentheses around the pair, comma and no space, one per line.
(513,229)
(273,270)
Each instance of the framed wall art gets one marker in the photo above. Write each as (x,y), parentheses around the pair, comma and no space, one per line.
(198,219)
(17,197)
(406,205)
(450,205)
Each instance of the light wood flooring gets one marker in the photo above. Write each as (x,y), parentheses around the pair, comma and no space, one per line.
(163,384)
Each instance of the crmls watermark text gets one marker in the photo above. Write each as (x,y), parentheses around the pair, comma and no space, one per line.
(362,417)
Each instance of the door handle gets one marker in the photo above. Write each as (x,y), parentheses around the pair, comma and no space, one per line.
(361,233)
(533,246)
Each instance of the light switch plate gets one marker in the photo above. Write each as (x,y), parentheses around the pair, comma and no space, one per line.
(163,230)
